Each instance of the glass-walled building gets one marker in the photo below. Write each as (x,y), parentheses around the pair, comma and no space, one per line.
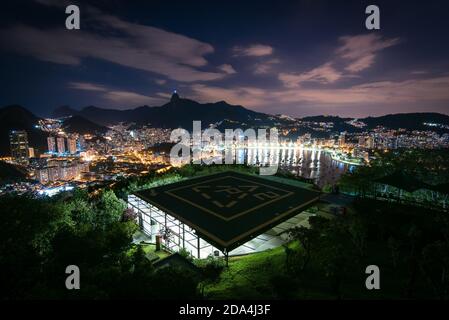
(221,214)
(175,234)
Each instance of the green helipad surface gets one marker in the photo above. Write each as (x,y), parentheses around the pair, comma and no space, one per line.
(227,209)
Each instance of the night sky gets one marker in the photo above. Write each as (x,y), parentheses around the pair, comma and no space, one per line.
(292,57)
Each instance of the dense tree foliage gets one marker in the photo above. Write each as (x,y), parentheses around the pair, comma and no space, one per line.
(429,168)
(409,244)
(39,238)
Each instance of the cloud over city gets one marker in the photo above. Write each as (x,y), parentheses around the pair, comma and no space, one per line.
(121,98)
(133,45)
(126,59)
(254,50)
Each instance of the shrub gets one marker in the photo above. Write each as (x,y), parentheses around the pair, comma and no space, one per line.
(185,254)
(212,267)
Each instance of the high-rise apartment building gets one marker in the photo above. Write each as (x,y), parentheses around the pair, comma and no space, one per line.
(31,153)
(370,143)
(362,141)
(342,139)
(71,144)
(51,144)
(60,141)
(18,140)
(82,143)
